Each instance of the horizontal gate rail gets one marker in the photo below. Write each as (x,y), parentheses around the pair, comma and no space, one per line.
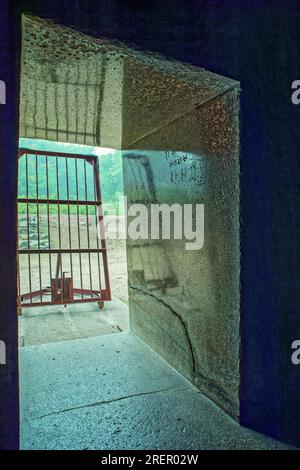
(88,158)
(62,251)
(72,202)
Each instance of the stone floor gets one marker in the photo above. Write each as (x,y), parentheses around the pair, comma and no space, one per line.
(113,392)
(42,325)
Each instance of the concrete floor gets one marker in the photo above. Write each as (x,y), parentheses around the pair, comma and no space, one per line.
(113,392)
(42,325)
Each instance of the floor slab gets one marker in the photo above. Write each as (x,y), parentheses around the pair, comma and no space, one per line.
(42,325)
(113,392)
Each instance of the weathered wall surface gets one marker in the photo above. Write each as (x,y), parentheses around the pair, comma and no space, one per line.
(71,87)
(185,304)
(156,91)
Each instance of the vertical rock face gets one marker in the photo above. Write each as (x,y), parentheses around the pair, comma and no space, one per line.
(178,128)
(185,303)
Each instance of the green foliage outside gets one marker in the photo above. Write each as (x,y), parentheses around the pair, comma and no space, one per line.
(111,176)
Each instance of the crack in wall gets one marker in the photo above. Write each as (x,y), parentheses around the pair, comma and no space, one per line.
(178,316)
(154,320)
(209,387)
(107,402)
(100,99)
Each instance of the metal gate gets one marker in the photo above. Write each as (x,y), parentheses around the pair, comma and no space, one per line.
(62,254)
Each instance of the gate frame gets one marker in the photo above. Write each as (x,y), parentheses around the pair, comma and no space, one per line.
(95,295)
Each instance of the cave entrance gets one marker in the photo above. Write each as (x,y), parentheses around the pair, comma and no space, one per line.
(63,267)
(176,128)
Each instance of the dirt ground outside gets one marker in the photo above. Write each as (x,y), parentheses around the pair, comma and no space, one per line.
(74,232)
(46,324)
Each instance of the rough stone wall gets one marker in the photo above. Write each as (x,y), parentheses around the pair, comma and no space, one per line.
(185,304)
(71,87)
(156,91)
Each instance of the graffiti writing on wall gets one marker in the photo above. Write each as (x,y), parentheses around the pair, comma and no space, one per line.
(185,168)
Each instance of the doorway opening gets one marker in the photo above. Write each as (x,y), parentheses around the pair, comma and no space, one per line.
(176,127)
(63,268)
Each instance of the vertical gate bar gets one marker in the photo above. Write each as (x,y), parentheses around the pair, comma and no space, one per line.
(58,216)
(38,222)
(18,247)
(69,222)
(102,232)
(18,266)
(96,220)
(28,230)
(88,228)
(78,227)
(48,217)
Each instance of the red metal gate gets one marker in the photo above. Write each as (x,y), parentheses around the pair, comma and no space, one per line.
(62,254)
